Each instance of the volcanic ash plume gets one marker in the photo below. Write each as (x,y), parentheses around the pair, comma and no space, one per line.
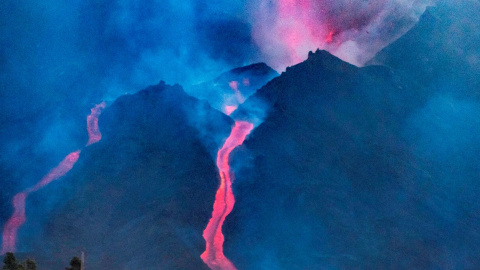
(353,30)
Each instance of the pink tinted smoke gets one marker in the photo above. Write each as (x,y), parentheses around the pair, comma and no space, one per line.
(238,95)
(286,30)
(286,34)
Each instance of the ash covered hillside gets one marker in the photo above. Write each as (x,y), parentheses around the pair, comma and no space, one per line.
(442,51)
(364,168)
(232,87)
(141,197)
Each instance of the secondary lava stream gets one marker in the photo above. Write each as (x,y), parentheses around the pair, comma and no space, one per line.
(18,217)
(224,200)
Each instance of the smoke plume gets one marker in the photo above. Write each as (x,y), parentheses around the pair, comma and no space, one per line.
(285,30)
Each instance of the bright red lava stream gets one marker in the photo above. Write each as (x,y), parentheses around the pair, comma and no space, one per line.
(94,134)
(19,217)
(224,201)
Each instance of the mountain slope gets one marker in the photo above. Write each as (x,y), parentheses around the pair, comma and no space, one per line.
(141,197)
(441,51)
(356,168)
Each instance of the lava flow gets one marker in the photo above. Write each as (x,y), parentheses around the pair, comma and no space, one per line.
(94,134)
(18,217)
(12,225)
(224,201)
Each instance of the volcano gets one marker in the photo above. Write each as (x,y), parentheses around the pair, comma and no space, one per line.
(366,168)
(330,166)
(153,191)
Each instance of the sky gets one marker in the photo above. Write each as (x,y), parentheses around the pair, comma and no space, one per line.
(59,59)
(84,51)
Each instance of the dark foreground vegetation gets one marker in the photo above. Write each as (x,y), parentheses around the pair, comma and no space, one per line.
(11,263)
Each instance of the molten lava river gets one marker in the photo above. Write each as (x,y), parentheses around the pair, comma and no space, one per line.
(224,199)
(18,217)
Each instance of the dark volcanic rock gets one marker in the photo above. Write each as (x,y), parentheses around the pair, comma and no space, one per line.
(352,168)
(442,51)
(141,197)
(357,168)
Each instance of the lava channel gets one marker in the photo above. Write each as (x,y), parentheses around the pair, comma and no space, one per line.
(94,134)
(224,201)
(18,218)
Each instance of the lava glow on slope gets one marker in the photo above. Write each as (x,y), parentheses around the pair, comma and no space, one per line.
(11,227)
(94,134)
(224,200)
(18,217)
(230,109)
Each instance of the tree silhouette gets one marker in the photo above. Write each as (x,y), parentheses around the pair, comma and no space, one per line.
(10,262)
(31,265)
(75,264)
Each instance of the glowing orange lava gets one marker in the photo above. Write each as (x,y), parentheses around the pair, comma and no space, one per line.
(11,227)
(18,217)
(230,109)
(224,201)
(94,134)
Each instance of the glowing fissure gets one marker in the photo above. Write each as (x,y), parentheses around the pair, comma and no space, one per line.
(224,200)
(19,217)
